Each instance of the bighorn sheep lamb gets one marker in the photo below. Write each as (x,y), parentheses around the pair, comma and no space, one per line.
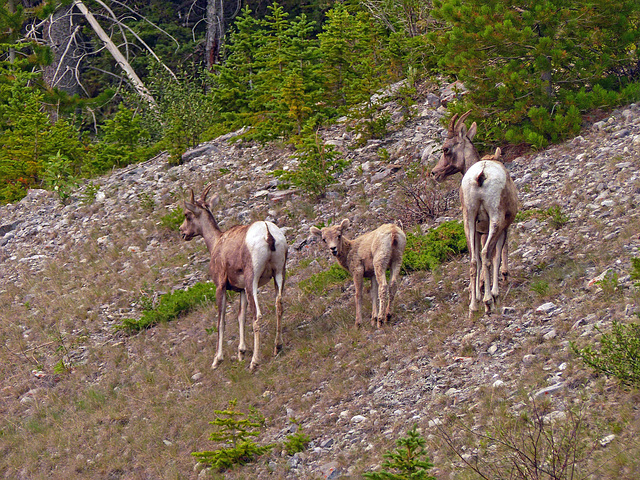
(369,255)
(243,258)
(489,204)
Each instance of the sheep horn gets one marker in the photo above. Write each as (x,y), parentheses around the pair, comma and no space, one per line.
(193,199)
(452,126)
(461,120)
(205,192)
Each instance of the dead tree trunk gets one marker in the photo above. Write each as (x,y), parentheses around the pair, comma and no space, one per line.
(215,31)
(59,33)
(117,55)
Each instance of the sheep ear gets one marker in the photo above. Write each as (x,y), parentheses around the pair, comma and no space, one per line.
(315,231)
(190,206)
(345,224)
(498,154)
(214,201)
(473,129)
(462,132)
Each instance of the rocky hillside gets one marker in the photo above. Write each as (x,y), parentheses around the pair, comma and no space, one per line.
(82,399)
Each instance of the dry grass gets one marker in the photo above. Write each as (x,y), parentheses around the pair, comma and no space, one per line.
(135,407)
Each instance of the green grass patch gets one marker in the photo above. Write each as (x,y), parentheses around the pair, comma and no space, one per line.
(320,282)
(557,218)
(425,252)
(171,306)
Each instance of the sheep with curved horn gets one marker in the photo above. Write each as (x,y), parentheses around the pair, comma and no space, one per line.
(243,258)
(489,205)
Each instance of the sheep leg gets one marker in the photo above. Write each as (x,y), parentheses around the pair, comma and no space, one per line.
(470,233)
(483,240)
(487,252)
(357,281)
(374,300)
(497,258)
(257,321)
(504,266)
(479,274)
(396,265)
(242,346)
(383,293)
(221,301)
(278,280)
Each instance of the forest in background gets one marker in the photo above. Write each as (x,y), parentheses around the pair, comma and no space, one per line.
(86,86)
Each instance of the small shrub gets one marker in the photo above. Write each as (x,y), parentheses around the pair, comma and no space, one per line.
(527,443)
(58,176)
(296,442)
(408,462)
(173,219)
(320,282)
(146,202)
(172,305)
(556,217)
(425,252)
(90,192)
(420,202)
(609,284)
(618,354)
(235,433)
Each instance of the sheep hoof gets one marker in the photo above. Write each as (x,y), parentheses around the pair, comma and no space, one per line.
(277,349)
(254,366)
(241,355)
(215,363)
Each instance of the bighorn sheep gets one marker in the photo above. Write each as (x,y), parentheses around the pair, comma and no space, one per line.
(489,204)
(242,259)
(369,255)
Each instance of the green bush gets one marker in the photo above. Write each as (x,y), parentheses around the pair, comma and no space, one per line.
(235,434)
(173,219)
(296,442)
(425,252)
(172,305)
(318,164)
(619,353)
(58,176)
(407,462)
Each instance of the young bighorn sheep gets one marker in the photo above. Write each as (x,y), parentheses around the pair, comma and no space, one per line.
(489,204)
(243,258)
(370,256)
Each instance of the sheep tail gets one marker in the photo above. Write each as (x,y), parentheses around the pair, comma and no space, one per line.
(481,178)
(270,240)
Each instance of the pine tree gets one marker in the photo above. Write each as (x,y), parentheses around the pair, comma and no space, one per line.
(407,462)
(537,65)
(234,79)
(235,433)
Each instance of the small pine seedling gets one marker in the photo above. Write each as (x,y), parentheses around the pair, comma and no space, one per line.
(408,461)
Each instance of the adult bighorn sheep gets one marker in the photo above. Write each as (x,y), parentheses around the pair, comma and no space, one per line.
(489,204)
(243,258)
(369,255)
